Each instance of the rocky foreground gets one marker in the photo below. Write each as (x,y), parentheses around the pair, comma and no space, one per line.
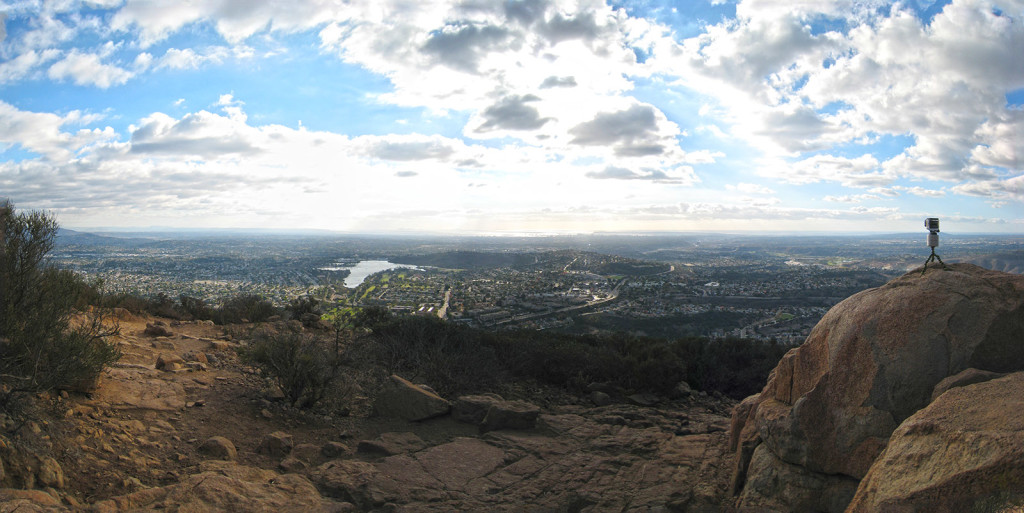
(907,397)
(180,425)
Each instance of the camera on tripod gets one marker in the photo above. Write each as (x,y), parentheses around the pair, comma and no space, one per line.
(932,224)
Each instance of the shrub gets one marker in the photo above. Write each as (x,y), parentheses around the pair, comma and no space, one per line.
(449,358)
(244,308)
(194,308)
(457,359)
(303,365)
(301,306)
(40,347)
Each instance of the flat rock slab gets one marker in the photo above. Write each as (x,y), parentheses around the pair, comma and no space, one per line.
(133,388)
(390,444)
(620,468)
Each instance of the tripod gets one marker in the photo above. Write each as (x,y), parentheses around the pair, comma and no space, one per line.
(931,258)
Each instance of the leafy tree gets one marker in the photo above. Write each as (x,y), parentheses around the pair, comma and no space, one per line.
(40,347)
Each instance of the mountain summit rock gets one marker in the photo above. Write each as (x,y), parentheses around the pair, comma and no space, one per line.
(830,406)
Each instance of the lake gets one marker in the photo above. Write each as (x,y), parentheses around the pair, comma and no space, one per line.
(364,268)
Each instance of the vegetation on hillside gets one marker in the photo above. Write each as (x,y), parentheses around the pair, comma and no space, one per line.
(456,359)
(42,345)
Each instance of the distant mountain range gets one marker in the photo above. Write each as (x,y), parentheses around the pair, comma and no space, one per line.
(1007,262)
(67,237)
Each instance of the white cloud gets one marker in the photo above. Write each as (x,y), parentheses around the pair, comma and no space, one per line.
(862,171)
(682,175)
(788,91)
(236,21)
(749,188)
(922,192)
(1010,189)
(22,65)
(44,134)
(855,198)
(87,69)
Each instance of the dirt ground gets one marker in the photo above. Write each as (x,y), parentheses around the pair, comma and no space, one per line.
(142,426)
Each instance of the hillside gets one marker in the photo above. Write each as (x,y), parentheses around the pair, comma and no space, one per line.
(142,441)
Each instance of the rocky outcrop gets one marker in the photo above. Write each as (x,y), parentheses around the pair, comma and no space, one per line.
(402,399)
(224,486)
(964,452)
(875,359)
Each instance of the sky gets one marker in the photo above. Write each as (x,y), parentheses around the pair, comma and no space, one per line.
(515,116)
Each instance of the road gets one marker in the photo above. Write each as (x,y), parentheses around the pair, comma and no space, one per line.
(525,317)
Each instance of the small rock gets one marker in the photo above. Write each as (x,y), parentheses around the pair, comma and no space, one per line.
(157,329)
(644,399)
(293,465)
(389,444)
(472,409)
(195,356)
(169,362)
(510,415)
(219,345)
(50,474)
(277,443)
(162,343)
(682,390)
(600,398)
(219,447)
(308,453)
(274,393)
(333,449)
(132,484)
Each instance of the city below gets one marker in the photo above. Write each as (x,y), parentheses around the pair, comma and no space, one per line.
(713,285)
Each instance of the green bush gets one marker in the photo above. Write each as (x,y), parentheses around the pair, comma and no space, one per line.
(41,348)
(302,364)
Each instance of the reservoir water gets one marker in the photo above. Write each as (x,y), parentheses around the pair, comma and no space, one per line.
(364,268)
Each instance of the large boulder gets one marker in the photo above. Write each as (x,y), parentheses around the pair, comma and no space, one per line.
(964,452)
(401,398)
(872,361)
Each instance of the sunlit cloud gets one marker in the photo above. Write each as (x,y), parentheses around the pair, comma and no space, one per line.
(482,115)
